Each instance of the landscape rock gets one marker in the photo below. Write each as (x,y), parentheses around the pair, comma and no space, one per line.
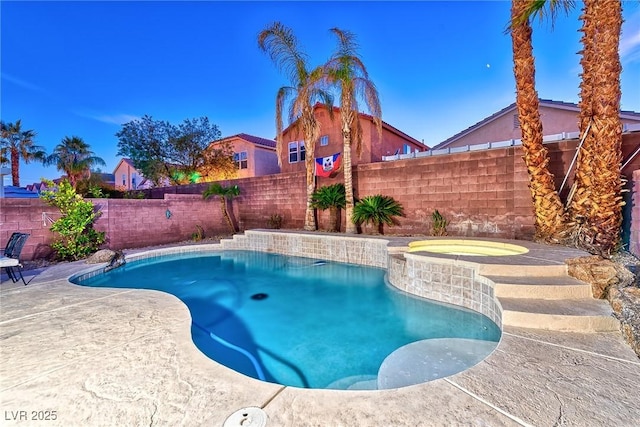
(600,273)
(103,255)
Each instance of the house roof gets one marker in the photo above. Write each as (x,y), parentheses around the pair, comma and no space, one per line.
(11,192)
(125,160)
(385,125)
(269,143)
(512,107)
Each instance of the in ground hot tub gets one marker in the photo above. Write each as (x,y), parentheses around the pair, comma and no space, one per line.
(467,247)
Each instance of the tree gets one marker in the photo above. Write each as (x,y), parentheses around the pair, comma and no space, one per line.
(218,163)
(346,71)
(17,144)
(306,89)
(549,212)
(596,206)
(377,210)
(73,157)
(330,197)
(226,195)
(180,154)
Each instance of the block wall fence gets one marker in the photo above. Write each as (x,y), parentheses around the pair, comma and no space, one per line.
(482,193)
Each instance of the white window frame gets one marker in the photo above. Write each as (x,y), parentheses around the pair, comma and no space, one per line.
(297,151)
(324,140)
(241,159)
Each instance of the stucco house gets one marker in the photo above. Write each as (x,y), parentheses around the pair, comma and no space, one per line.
(557,117)
(254,156)
(127,177)
(374,147)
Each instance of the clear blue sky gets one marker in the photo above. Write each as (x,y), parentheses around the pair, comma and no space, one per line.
(84,68)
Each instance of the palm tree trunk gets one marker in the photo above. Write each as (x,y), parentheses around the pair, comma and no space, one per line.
(549,211)
(15,167)
(310,127)
(225,214)
(347,119)
(333,218)
(596,208)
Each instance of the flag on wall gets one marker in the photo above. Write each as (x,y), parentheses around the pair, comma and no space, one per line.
(327,166)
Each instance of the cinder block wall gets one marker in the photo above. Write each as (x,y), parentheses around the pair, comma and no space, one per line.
(481,193)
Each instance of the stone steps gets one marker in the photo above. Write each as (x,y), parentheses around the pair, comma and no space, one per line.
(576,315)
(544,287)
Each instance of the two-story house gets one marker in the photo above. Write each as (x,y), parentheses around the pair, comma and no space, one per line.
(254,156)
(374,146)
(127,177)
(557,117)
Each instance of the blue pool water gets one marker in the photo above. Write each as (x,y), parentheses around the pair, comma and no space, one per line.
(296,321)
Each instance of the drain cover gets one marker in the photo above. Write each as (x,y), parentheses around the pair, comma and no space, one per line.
(247,417)
(259,297)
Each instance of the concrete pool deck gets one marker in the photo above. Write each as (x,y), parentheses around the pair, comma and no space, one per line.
(99,356)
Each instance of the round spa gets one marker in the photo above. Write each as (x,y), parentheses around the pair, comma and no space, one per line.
(467,247)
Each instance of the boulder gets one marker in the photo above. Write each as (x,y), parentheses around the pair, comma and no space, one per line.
(600,273)
(103,255)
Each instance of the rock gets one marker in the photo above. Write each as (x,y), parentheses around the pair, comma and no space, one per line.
(103,255)
(600,273)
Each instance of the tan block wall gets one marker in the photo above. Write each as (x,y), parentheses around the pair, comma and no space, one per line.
(634,241)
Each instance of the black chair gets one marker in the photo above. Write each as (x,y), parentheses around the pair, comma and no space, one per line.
(10,261)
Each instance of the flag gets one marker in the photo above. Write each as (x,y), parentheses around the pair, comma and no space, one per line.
(327,166)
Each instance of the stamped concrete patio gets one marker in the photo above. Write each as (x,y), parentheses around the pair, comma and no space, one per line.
(102,357)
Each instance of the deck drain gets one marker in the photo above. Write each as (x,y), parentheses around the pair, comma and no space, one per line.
(251,416)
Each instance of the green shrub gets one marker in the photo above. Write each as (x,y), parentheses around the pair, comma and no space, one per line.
(438,224)
(377,210)
(77,238)
(330,197)
(275,221)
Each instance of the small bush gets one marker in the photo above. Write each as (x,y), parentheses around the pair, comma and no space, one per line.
(377,210)
(438,224)
(275,221)
(77,239)
(198,235)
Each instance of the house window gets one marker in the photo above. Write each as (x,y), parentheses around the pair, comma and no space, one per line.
(124,180)
(133,181)
(324,140)
(297,151)
(406,149)
(516,122)
(241,160)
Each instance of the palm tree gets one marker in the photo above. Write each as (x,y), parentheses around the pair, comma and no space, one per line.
(596,206)
(282,47)
(346,71)
(73,157)
(19,144)
(226,195)
(550,217)
(330,197)
(377,210)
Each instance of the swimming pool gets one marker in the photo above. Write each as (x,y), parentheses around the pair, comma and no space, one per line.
(305,322)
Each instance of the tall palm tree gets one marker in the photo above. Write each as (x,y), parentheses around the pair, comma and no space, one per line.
(73,157)
(18,144)
(550,217)
(305,90)
(596,207)
(346,71)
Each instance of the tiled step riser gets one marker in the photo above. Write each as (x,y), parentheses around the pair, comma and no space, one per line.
(504,290)
(555,322)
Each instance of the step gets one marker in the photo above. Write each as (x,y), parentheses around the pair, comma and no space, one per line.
(576,315)
(550,287)
(522,270)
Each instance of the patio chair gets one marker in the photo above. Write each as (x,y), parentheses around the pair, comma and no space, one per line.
(10,260)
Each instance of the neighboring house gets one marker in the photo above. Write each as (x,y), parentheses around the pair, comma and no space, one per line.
(127,177)
(557,117)
(374,147)
(253,155)
(106,178)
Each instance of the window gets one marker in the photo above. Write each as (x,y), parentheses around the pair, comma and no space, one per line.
(516,122)
(133,181)
(297,151)
(124,179)
(241,160)
(324,140)
(406,149)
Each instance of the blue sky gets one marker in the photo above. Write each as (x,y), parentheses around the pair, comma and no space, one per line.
(84,68)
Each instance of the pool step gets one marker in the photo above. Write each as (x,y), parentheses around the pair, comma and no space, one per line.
(522,270)
(576,315)
(545,287)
